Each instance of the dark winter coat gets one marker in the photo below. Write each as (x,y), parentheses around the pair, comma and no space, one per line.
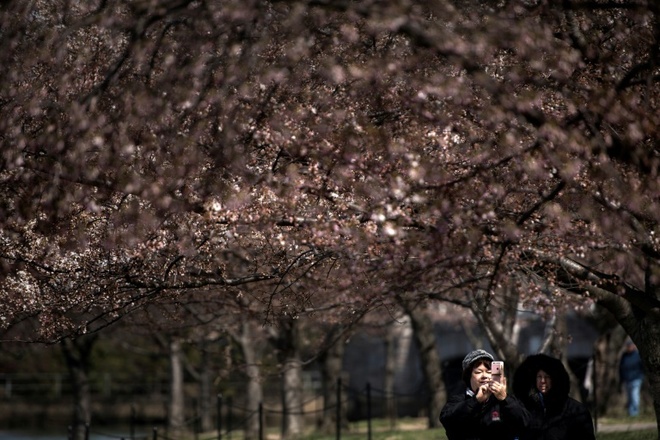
(555,415)
(464,418)
(630,367)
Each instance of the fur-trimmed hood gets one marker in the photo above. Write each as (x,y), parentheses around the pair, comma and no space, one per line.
(524,381)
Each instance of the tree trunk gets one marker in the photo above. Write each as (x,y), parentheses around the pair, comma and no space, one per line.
(559,348)
(331,373)
(605,371)
(293,420)
(390,372)
(501,328)
(176,408)
(647,338)
(77,353)
(426,343)
(287,342)
(247,342)
(205,394)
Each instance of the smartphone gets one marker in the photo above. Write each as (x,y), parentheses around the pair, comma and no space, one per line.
(497,371)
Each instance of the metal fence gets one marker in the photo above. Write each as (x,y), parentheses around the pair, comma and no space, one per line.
(232,420)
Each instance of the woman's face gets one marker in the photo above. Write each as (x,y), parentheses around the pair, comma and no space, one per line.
(543,382)
(480,375)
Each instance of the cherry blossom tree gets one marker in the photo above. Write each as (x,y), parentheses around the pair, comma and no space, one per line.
(446,150)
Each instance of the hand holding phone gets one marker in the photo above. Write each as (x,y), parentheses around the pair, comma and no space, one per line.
(497,371)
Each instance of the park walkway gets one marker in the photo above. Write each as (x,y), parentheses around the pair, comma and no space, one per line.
(633,425)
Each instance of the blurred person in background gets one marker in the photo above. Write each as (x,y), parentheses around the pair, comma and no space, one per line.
(631,376)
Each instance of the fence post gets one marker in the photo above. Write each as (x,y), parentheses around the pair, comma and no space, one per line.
(369,410)
(58,386)
(196,419)
(284,413)
(133,420)
(155,434)
(86,431)
(8,386)
(219,416)
(230,416)
(338,415)
(261,421)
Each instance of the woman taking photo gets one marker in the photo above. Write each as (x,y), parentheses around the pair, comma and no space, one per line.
(484,411)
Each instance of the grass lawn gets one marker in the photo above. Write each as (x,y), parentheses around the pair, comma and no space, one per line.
(439,434)
(415,429)
(629,435)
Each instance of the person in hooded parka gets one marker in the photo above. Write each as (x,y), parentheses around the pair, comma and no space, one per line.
(542,384)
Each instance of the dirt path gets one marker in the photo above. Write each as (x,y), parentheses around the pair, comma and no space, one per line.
(632,426)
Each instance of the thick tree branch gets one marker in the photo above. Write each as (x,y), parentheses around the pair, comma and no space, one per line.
(616,295)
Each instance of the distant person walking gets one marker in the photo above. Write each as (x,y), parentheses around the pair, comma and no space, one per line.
(631,375)
(542,384)
(484,410)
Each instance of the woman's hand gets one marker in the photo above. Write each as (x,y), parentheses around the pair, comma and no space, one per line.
(483,393)
(498,389)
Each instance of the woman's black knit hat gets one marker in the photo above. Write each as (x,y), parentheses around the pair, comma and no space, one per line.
(475,355)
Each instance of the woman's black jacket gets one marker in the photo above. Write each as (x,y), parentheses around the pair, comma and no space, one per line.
(464,418)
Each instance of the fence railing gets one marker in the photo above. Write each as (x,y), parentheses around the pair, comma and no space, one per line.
(233,419)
